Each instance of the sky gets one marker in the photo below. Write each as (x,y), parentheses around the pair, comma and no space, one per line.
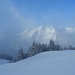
(48,12)
(57,13)
(22,21)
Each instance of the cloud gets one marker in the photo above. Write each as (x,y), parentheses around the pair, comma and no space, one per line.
(43,34)
(70,29)
(18,30)
(13,16)
(40,34)
(17,16)
(66,36)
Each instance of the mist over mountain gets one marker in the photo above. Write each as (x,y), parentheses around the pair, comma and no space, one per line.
(41,34)
(21,24)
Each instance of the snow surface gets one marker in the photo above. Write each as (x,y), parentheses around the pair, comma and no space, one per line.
(3,61)
(46,63)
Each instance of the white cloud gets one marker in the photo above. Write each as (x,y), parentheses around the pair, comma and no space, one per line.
(40,34)
(66,36)
(70,29)
(44,34)
(17,15)
(23,20)
(16,21)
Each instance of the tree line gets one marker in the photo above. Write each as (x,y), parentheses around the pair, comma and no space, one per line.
(34,49)
(6,57)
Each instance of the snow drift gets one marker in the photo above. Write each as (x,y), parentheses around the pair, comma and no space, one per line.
(47,63)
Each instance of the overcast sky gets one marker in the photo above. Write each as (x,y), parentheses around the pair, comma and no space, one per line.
(22,21)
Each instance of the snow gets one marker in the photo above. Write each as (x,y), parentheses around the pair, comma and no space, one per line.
(41,34)
(46,63)
(3,61)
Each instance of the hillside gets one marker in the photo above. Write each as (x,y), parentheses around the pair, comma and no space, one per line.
(46,63)
(3,61)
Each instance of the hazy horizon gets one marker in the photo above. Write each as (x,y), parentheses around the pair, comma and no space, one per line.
(23,21)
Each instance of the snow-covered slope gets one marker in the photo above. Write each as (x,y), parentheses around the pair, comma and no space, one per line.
(3,62)
(47,63)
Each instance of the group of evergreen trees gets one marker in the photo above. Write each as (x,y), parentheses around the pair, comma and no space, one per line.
(69,48)
(21,54)
(35,49)
(38,48)
(6,57)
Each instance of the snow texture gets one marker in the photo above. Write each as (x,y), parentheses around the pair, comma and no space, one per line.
(46,63)
(3,62)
